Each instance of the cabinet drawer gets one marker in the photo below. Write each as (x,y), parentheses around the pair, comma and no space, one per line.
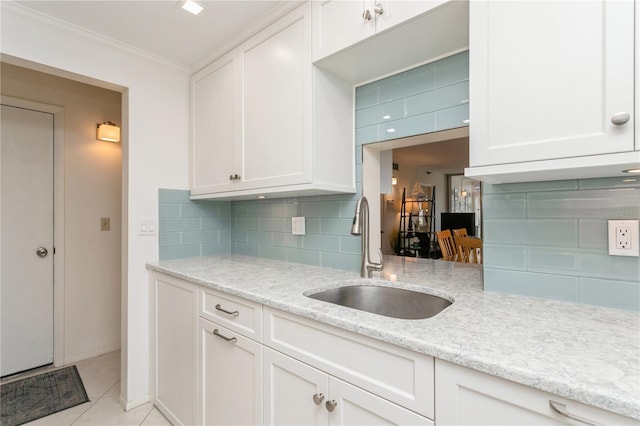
(466,396)
(399,375)
(239,315)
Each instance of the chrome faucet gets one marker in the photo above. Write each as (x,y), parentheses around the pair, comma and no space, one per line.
(361,227)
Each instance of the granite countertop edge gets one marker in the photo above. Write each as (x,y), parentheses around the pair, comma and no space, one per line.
(462,283)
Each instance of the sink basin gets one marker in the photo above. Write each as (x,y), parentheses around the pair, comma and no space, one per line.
(388,301)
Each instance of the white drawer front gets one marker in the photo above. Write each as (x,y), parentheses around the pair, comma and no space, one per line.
(399,375)
(239,315)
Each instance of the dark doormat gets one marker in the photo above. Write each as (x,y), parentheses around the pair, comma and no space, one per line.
(33,397)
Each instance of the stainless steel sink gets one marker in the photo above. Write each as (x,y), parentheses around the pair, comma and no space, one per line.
(388,301)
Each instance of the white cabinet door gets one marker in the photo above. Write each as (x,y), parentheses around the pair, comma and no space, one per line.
(215,98)
(298,394)
(230,387)
(465,396)
(395,12)
(548,77)
(294,393)
(338,24)
(276,103)
(354,406)
(174,358)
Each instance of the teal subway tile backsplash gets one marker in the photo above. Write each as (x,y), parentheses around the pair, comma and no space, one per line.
(554,235)
(428,98)
(559,287)
(259,228)
(610,293)
(191,228)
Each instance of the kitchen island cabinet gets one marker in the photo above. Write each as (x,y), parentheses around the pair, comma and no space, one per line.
(563,106)
(586,357)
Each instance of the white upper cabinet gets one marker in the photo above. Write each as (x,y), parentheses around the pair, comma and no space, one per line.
(266,121)
(551,80)
(339,24)
(276,111)
(215,110)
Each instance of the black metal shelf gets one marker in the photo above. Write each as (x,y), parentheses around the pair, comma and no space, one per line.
(417,239)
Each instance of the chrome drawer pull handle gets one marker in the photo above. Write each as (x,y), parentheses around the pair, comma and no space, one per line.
(234,313)
(562,410)
(318,398)
(228,339)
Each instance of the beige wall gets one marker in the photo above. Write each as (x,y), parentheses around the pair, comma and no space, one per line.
(93,189)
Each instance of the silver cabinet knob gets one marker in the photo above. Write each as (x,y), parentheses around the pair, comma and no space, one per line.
(378,9)
(42,252)
(318,398)
(620,118)
(366,15)
(331,405)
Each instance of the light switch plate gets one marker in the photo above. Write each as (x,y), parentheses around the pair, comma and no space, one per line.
(624,238)
(298,225)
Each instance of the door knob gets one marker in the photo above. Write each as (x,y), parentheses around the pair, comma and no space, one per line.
(318,398)
(378,9)
(42,252)
(331,405)
(620,118)
(366,15)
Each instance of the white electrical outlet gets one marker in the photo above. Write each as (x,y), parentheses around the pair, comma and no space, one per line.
(624,239)
(298,225)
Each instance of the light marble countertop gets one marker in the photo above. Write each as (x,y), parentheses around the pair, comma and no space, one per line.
(586,353)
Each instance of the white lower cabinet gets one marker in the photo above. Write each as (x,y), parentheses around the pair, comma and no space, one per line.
(173,348)
(465,396)
(217,359)
(299,394)
(230,377)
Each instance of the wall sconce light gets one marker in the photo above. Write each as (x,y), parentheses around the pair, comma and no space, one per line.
(108,131)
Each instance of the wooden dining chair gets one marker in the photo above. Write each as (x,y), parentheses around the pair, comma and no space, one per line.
(469,249)
(462,232)
(447,245)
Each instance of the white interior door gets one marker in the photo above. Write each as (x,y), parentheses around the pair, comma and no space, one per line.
(26,239)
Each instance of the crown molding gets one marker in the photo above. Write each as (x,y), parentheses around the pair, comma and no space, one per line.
(10,7)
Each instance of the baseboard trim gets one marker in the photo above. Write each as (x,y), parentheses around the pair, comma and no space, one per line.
(130,405)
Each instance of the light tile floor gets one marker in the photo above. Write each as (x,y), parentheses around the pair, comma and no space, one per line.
(101,378)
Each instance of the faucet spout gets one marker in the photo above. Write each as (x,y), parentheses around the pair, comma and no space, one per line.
(360,226)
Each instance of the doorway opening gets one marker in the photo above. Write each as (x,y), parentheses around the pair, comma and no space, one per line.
(429,163)
(87,270)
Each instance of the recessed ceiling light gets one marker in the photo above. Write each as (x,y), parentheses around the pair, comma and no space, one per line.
(192,7)
(631,171)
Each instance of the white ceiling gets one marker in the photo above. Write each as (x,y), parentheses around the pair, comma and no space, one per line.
(448,157)
(162,27)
